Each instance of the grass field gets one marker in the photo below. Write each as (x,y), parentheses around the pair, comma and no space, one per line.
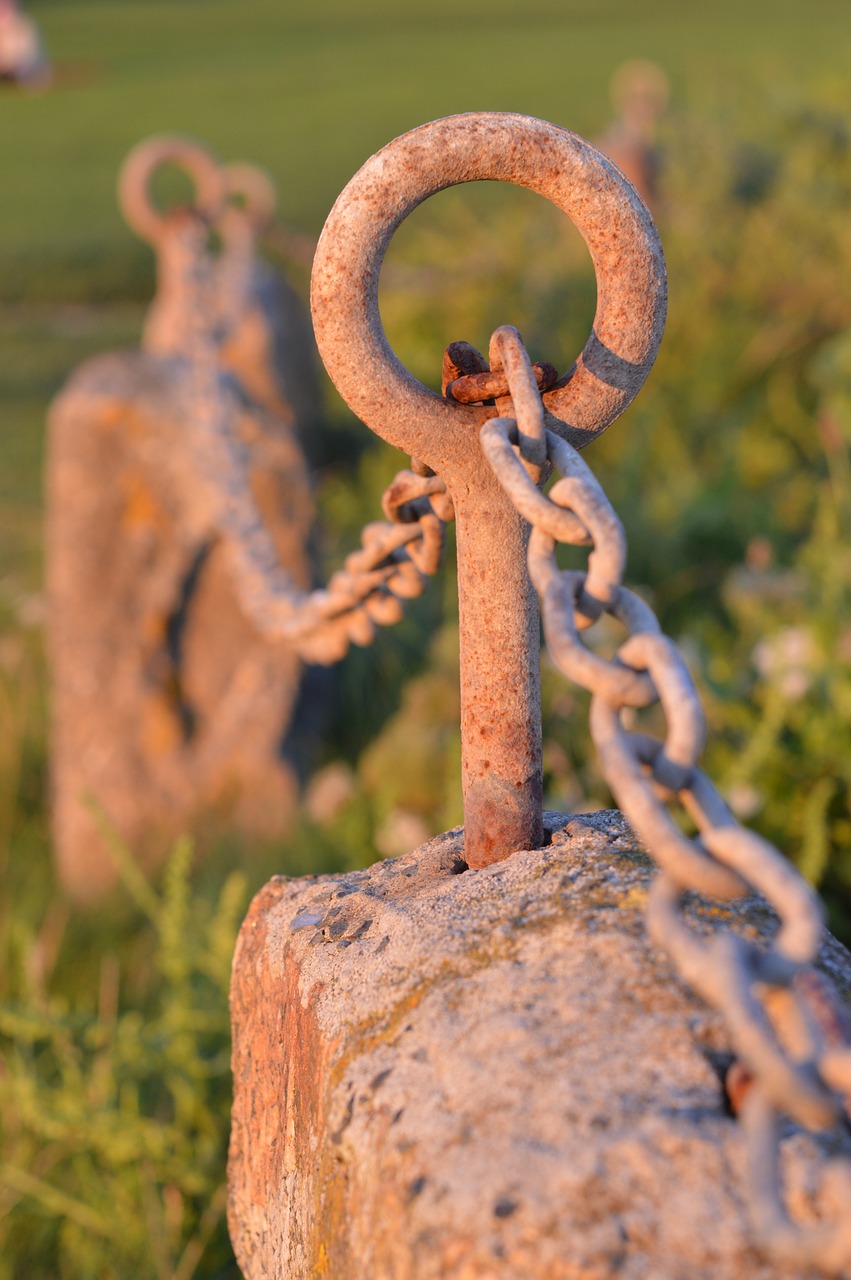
(310,91)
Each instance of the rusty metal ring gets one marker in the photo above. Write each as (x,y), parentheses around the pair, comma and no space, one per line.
(255,186)
(499,146)
(142,162)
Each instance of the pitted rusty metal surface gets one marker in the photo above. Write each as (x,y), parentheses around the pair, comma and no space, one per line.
(499,639)
(502,147)
(474,388)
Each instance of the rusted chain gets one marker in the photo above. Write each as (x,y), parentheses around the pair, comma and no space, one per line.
(477,388)
(801,1068)
(396,556)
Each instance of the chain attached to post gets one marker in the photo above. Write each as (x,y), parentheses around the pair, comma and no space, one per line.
(783,1016)
(397,555)
(798,1065)
(498,625)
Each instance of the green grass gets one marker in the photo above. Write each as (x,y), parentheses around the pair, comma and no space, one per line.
(311,91)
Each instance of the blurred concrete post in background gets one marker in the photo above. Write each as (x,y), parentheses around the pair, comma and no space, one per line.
(166,704)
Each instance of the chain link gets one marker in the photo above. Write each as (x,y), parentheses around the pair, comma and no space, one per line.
(783,1016)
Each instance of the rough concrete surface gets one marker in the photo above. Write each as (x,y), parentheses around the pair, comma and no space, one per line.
(167,706)
(488,1074)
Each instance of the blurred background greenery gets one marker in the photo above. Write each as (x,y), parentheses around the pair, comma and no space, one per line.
(731,473)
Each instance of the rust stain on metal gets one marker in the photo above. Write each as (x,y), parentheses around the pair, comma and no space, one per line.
(476,388)
(461,360)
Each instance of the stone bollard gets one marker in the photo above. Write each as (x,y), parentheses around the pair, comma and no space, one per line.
(640,93)
(447,1074)
(169,708)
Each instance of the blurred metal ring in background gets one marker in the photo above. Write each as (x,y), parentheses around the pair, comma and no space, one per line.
(134,182)
(251,190)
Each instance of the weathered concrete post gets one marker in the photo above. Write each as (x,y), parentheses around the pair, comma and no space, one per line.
(640,93)
(443,1074)
(169,710)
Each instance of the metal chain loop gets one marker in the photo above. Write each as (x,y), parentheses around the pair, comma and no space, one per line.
(477,388)
(827,1246)
(508,355)
(497,437)
(579,491)
(559,591)
(783,1016)
(623,758)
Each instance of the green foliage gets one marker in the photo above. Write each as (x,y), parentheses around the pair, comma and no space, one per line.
(114,1111)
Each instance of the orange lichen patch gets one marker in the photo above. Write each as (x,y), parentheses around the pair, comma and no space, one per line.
(161,729)
(635,899)
(320,1267)
(142,509)
(280,1073)
(112,414)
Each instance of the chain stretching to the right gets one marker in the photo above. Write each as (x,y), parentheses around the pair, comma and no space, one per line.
(798,1055)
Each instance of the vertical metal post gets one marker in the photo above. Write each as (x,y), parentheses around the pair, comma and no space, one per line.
(500,675)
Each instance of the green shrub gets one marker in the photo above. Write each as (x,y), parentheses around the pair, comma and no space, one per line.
(114,1109)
